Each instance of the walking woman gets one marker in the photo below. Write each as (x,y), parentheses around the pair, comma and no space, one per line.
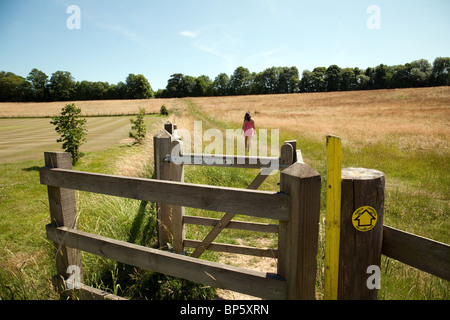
(249,130)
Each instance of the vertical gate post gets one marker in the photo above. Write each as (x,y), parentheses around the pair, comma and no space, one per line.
(362,206)
(168,127)
(177,174)
(161,147)
(63,212)
(299,237)
(333,217)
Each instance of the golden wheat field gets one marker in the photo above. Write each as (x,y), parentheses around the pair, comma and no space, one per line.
(89,108)
(416,118)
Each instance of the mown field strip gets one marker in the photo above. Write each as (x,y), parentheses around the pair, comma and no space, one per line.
(26,139)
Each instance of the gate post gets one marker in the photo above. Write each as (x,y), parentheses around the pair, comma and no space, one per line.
(177,174)
(63,213)
(161,147)
(362,206)
(299,237)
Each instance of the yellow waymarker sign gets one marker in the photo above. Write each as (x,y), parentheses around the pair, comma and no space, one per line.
(364,218)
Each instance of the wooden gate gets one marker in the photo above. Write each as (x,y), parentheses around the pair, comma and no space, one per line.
(296,207)
(169,165)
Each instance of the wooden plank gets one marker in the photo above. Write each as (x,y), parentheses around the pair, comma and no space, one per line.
(333,216)
(201,247)
(421,253)
(255,203)
(222,247)
(298,238)
(63,212)
(261,284)
(260,178)
(83,293)
(238,225)
(232,161)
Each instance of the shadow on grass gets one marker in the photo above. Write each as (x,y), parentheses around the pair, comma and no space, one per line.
(34,168)
(139,284)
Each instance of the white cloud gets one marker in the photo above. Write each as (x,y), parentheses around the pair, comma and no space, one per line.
(188,34)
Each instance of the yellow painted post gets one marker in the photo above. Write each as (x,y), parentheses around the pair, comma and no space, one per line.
(333,217)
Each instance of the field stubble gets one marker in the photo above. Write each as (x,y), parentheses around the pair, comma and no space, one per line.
(417,119)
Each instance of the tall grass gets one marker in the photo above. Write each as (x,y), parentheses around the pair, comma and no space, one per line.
(417,194)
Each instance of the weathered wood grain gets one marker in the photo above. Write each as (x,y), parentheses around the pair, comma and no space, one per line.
(255,203)
(265,285)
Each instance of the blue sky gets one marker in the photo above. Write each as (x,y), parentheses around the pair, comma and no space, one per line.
(195,37)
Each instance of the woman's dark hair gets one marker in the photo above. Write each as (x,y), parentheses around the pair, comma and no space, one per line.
(247,116)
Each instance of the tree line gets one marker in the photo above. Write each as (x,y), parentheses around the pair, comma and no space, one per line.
(275,80)
(61,86)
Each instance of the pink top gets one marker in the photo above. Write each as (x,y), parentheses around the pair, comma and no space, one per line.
(249,129)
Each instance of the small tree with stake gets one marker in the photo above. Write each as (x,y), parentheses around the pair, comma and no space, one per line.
(138,125)
(72,129)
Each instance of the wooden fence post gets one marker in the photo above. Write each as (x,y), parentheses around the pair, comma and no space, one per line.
(299,237)
(161,147)
(177,174)
(362,206)
(333,217)
(168,127)
(63,213)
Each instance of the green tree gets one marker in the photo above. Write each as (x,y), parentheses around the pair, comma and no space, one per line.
(62,86)
(221,84)
(305,82)
(72,130)
(400,76)
(38,80)
(380,77)
(333,78)
(187,85)
(348,79)
(203,87)
(139,126)
(292,79)
(138,87)
(83,89)
(420,73)
(241,81)
(362,82)
(14,88)
(119,91)
(179,86)
(270,78)
(173,88)
(440,75)
(317,82)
